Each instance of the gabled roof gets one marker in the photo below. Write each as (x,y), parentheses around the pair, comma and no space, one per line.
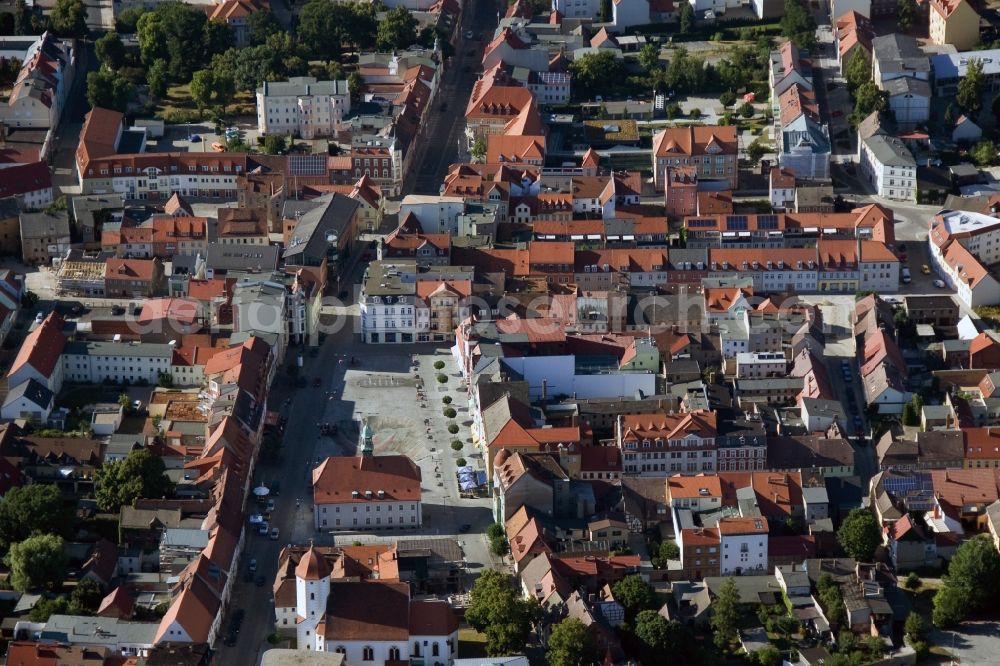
(338,478)
(687,141)
(25,178)
(42,347)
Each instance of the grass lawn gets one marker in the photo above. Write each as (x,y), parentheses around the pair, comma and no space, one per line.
(471,643)
(178,104)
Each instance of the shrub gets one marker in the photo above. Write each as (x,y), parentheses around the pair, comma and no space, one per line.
(442,378)
(180,116)
(461,462)
(446,400)
(912,581)
(438,365)
(453,429)
(456,445)
(747,110)
(694,114)
(450,412)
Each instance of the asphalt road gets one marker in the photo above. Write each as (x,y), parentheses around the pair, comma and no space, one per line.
(342,398)
(444,129)
(299,444)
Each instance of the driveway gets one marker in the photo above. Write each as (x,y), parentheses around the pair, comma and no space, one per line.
(975,644)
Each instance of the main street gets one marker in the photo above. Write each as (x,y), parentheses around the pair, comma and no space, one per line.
(379,387)
(444,125)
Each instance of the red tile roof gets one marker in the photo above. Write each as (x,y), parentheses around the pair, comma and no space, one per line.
(42,347)
(25,178)
(695,141)
(130,269)
(175,309)
(337,478)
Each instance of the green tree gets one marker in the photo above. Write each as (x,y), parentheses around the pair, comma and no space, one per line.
(176,33)
(858,70)
(158,79)
(747,110)
(225,89)
(125,22)
(85,598)
(121,482)
(397,30)
(657,637)
(496,535)
(859,535)
(275,144)
(649,56)
(571,644)
(949,607)
(912,581)
(635,595)
(906,14)
(355,85)
(216,37)
(597,71)
(755,151)
(47,607)
(29,510)
(970,88)
(261,25)
(769,656)
(108,90)
(910,417)
(797,24)
(110,50)
(316,31)
(727,98)
(69,18)
(984,153)
(686,18)
(38,562)
(496,610)
(914,627)
(867,99)
(478,149)
(202,88)
(975,569)
(726,614)
(667,551)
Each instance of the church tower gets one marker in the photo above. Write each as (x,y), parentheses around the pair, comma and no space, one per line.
(312,589)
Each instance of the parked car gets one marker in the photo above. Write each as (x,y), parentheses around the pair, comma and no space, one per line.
(317,382)
(274,534)
(262,529)
(469,34)
(253,564)
(270,505)
(218,147)
(905,275)
(465,528)
(925,269)
(939,284)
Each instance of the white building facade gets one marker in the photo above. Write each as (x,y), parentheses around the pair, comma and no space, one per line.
(303,106)
(889,167)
